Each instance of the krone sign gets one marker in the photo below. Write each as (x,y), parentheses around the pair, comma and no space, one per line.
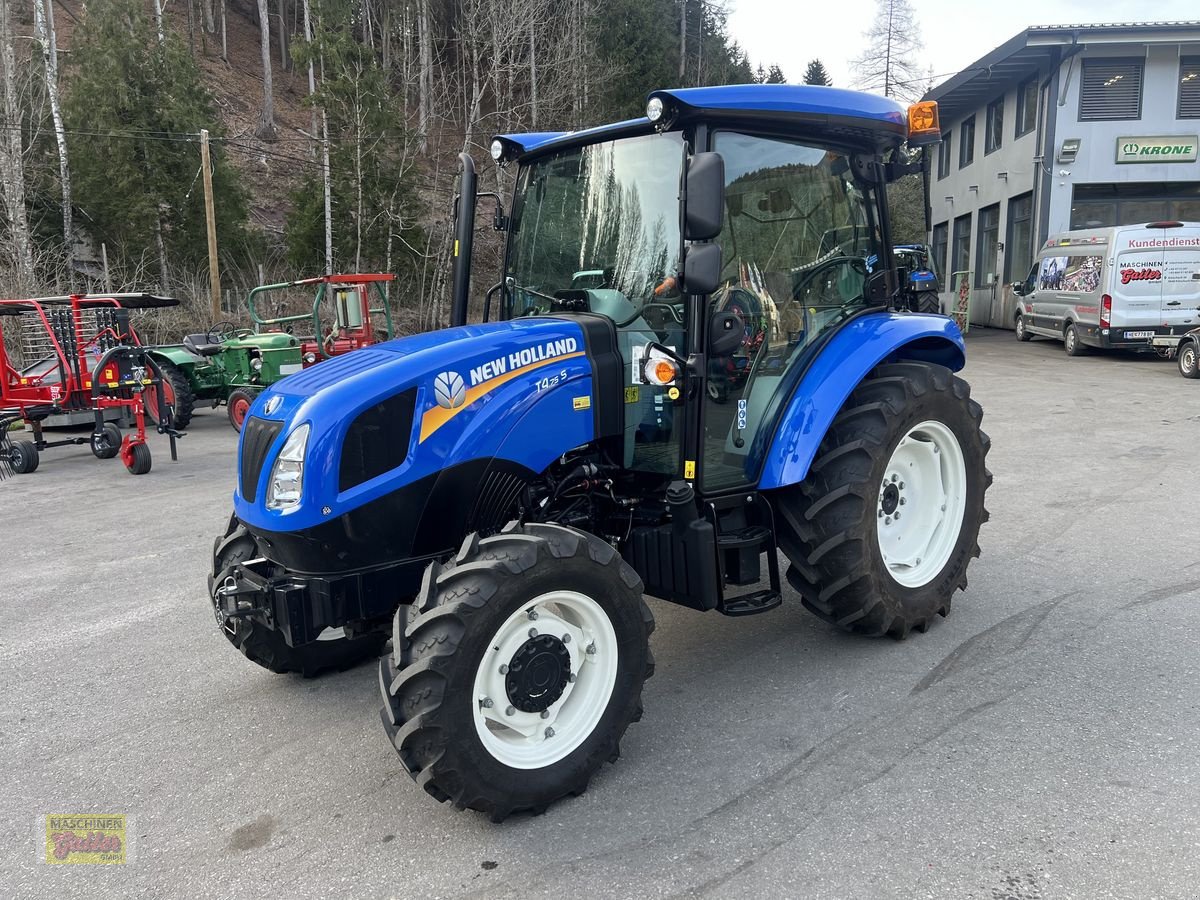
(1164,148)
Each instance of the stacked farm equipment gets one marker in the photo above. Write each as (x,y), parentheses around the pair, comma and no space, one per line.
(230,364)
(81,361)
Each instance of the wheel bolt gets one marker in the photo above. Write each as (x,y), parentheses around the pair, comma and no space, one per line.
(549,732)
(533,632)
(895,479)
(571,678)
(881,514)
(545,713)
(591,650)
(510,710)
(503,669)
(902,501)
(566,639)
(943,507)
(486,703)
(902,485)
(532,614)
(897,515)
(887,521)
(918,562)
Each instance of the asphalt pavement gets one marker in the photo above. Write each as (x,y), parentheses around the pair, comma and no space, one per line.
(1039,743)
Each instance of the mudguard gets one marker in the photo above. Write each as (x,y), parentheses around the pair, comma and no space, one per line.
(178,355)
(513,396)
(844,360)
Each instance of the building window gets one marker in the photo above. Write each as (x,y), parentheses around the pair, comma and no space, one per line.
(993,134)
(1189,88)
(941,239)
(1027,107)
(1134,203)
(989,245)
(944,156)
(1110,89)
(966,143)
(962,244)
(1018,250)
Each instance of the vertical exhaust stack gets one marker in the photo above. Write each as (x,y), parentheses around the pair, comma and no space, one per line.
(464,236)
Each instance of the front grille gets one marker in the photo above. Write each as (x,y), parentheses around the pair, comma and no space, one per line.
(257,437)
(377,440)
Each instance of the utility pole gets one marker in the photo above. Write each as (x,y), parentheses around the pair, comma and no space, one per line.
(210,217)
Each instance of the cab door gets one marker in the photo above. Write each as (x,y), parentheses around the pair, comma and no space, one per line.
(1180,297)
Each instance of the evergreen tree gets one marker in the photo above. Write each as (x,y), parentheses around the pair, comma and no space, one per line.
(816,74)
(134,109)
(775,75)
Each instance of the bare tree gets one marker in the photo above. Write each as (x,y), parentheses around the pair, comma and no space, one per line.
(425,78)
(43,11)
(266,122)
(888,63)
(12,163)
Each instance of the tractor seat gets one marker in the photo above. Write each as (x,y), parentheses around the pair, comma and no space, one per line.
(198,344)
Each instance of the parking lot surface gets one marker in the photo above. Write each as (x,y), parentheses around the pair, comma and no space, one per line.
(1040,742)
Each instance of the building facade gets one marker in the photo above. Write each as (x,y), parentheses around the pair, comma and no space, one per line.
(1062,127)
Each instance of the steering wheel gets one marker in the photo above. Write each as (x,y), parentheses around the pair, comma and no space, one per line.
(816,290)
(669,307)
(223,331)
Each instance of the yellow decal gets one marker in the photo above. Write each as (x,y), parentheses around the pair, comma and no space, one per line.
(437,416)
(456,248)
(673,393)
(582,402)
(689,468)
(94,839)
(631,394)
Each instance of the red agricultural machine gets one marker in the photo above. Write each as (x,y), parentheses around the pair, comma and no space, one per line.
(81,359)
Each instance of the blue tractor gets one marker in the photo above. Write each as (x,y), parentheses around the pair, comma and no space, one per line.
(496,499)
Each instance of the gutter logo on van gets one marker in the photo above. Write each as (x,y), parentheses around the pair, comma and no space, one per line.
(1128,275)
(1167,148)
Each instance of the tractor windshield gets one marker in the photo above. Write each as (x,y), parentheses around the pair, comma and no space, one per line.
(603,219)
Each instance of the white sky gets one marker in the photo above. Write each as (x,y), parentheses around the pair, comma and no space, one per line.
(957,32)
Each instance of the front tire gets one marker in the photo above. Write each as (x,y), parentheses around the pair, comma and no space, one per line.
(1186,358)
(23,457)
(906,442)
(240,401)
(516,672)
(1021,331)
(106,443)
(265,646)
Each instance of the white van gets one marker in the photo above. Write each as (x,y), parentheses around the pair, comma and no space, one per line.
(1114,287)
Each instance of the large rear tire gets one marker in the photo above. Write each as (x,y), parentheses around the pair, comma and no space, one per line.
(881,532)
(266,646)
(180,389)
(516,671)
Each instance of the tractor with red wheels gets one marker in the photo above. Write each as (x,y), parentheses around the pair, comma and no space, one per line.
(80,359)
(231,364)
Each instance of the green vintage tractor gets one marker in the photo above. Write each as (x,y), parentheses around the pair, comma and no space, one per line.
(232,364)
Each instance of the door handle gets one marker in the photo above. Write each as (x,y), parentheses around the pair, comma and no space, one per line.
(1173,303)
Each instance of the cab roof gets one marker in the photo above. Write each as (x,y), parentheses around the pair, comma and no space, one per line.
(828,111)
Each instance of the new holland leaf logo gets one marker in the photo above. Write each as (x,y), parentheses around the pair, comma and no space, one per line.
(449,390)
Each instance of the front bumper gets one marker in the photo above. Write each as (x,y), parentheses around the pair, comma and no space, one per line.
(301,607)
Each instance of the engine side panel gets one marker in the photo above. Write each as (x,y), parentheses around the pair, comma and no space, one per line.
(847,358)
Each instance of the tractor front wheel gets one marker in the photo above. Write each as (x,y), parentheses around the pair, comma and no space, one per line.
(517,670)
(106,443)
(23,456)
(882,531)
(332,651)
(240,401)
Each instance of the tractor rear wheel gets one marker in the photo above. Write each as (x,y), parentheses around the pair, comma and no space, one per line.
(332,651)
(179,395)
(929,302)
(882,531)
(517,670)
(106,443)
(23,456)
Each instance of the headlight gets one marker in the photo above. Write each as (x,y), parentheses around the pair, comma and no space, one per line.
(497,151)
(287,475)
(654,109)
(256,364)
(310,357)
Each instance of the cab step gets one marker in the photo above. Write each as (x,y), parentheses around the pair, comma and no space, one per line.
(752,603)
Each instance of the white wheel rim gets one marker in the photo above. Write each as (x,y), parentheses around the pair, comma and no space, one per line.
(534,740)
(921,504)
(1188,359)
(1020,325)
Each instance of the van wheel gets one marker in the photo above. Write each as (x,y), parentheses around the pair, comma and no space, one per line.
(1187,360)
(1071,342)
(1022,332)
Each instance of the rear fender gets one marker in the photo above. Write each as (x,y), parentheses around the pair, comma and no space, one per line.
(176,355)
(837,370)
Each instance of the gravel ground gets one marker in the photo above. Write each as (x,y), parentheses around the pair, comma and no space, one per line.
(1037,743)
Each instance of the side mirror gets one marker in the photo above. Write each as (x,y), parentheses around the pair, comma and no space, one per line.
(701,268)
(1018,288)
(725,333)
(704,197)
